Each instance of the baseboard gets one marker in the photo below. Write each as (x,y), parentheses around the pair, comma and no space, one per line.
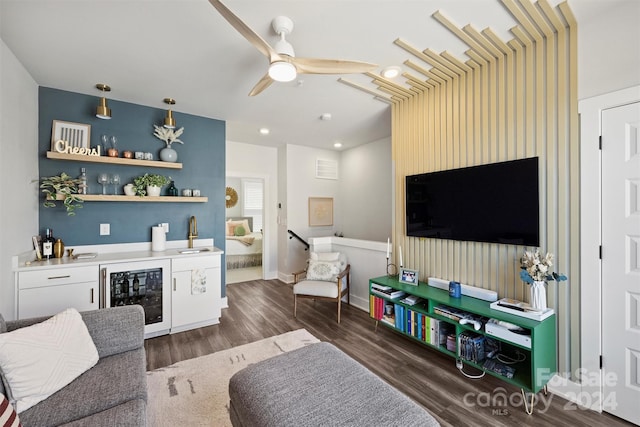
(225,302)
(573,392)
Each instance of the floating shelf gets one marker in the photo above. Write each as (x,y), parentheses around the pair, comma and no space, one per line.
(122,198)
(112,160)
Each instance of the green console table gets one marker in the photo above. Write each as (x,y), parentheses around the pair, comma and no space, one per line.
(536,359)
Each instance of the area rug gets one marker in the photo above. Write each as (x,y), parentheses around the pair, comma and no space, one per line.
(195,392)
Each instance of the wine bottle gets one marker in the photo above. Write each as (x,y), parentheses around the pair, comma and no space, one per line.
(82,187)
(47,244)
(136,284)
(125,285)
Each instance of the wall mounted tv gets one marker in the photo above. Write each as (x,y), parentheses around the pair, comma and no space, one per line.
(495,203)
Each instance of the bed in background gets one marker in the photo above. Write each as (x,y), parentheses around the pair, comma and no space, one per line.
(242,249)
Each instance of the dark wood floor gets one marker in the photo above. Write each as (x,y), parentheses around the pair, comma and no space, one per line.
(261,309)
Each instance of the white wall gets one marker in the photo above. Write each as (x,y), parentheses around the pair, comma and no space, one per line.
(366,174)
(18,168)
(301,184)
(254,161)
(609,50)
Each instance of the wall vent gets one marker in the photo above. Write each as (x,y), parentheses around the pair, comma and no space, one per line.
(326,169)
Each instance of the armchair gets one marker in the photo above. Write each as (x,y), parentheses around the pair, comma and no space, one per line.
(327,277)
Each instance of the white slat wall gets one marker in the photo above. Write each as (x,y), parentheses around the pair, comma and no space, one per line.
(509,100)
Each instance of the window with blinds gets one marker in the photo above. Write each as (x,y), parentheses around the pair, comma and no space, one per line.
(252,201)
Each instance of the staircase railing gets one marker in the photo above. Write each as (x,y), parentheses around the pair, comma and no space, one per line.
(293,234)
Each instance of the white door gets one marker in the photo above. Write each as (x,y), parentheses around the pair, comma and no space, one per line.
(621,261)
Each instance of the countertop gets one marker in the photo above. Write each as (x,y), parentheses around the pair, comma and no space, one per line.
(108,254)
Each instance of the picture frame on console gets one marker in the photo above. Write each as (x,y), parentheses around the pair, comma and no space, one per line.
(408,276)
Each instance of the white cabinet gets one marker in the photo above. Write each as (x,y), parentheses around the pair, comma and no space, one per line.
(48,291)
(196,295)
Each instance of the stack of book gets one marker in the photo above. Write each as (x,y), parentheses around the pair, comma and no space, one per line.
(386,291)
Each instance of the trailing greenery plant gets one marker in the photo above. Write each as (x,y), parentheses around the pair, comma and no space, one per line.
(140,183)
(65,186)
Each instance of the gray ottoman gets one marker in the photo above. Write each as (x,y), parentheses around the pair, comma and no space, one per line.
(318,385)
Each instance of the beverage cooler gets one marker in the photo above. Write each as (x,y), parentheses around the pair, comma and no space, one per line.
(143,282)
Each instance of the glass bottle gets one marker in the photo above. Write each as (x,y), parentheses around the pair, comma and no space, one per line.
(136,284)
(172,190)
(47,244)
(125,285)
(82,187)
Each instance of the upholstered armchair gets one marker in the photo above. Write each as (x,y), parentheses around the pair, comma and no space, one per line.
(327,277)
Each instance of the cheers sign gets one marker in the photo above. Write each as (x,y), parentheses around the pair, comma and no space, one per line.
(62,146)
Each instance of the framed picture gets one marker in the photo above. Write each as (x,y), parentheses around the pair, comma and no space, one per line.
(320,211)
(410,277)
(76,134)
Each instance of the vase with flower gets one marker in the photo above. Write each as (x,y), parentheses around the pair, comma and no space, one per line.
(536,271)
(169,136)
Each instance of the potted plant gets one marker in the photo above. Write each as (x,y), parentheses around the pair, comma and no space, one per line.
(150,184)
(62,187)
(536,271)
(169,136)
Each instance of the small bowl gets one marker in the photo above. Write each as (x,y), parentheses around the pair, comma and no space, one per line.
(128,154)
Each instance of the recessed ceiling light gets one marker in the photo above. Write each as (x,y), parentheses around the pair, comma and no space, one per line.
(337,144)
(325,117)
(390,72)
(264,131)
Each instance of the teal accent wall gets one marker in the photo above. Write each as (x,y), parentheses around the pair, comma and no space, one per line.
(202,157)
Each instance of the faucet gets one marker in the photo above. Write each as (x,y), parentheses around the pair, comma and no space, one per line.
(193,230)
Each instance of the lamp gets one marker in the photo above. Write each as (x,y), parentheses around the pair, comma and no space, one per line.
(169,121)
(282,71)
(103,112)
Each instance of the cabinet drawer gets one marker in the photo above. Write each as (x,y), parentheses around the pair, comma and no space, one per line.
(57,276)
(190,263)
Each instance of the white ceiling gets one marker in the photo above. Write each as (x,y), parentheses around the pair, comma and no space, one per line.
(147,50)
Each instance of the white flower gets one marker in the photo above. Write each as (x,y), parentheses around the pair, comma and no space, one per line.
(169,136)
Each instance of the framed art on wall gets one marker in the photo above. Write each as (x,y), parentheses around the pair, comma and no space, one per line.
(320,211)
(76,134)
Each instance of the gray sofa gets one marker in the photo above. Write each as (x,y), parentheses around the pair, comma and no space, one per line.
(114,391)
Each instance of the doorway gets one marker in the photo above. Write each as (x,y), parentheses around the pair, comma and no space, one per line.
(244,248)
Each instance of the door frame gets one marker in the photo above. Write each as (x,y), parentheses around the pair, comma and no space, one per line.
(590,111)
(266,216)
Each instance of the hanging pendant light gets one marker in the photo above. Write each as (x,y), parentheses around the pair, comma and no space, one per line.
(103,112)
(169,121)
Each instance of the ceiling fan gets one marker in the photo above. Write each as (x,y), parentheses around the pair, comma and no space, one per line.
(283,64)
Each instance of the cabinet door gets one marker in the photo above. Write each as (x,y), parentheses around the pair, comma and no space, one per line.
(195,297)
(49,300)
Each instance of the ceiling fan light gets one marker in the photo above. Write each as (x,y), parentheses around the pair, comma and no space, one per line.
(282,71)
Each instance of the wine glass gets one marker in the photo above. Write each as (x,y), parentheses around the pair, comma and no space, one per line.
(105,143)
(103,178)
(114,142)
(115,180)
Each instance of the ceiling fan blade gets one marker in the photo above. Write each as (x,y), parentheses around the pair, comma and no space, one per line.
(264,83)
(245,31)
(330,66)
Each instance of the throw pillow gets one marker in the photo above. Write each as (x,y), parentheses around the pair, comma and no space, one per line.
(325,256)
(239,231)
(323,270)
(38,360)
(8,416)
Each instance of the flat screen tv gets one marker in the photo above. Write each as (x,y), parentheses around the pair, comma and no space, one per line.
(495,203)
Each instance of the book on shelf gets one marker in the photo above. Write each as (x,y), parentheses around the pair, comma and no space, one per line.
(389,293)
(380,287)
(411,300)
(449,312)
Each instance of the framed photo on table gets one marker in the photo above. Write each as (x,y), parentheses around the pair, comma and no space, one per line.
(409,277)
